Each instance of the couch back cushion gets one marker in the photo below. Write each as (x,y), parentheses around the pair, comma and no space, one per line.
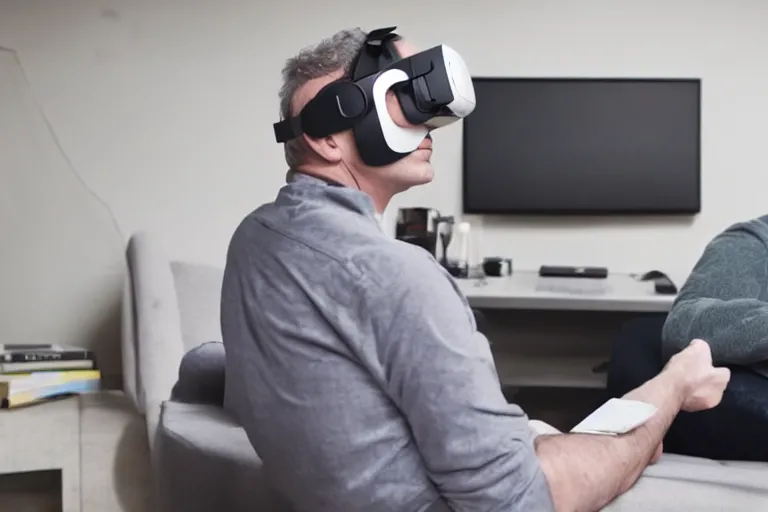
(198,291)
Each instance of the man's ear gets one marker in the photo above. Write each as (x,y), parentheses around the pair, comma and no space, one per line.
(325,147)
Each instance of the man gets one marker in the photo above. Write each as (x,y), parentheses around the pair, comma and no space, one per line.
(353,360)
(725,301)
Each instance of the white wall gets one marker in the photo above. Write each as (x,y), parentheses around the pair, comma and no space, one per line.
(165,109)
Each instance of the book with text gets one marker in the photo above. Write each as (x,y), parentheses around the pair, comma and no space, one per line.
(24,389)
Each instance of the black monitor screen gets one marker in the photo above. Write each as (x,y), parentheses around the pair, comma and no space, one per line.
(583,146)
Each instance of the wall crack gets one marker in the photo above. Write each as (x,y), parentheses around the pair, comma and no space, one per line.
(54,136)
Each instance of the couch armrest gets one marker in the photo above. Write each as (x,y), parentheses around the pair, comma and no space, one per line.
(205,462)
(152,333)
(127,346)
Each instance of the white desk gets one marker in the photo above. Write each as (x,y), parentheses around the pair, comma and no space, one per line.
(44,437)
(526,290)
(552,332)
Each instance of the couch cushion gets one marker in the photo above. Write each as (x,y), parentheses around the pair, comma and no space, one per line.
(679,482)
(741,474)
(201,375)
(198,291)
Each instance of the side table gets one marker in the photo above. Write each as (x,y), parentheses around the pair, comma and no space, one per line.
(44,437)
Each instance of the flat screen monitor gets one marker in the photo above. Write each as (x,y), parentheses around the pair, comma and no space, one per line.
(583,147)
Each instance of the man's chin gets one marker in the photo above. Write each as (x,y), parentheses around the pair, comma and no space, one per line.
(420,173)
(410,172)
(429,174)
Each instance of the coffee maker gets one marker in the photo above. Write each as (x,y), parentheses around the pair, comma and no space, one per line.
(424,227)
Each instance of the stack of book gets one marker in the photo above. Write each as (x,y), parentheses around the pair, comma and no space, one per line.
(36,373)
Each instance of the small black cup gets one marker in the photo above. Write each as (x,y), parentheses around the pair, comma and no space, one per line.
(497,267)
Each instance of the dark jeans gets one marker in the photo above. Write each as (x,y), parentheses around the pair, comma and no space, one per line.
(737,429)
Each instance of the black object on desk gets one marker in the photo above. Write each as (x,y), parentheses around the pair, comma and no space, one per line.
(456,270)
(497,267)
(662,284)
(586,272)
(422,226)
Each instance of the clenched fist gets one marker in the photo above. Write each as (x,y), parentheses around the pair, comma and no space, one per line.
(702,384)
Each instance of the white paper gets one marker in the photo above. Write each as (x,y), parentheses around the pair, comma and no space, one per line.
(616,416)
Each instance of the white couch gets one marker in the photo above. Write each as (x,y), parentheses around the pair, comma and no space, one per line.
(173,307)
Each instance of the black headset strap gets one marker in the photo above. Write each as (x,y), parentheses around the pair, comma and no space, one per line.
(378,51)
(288,129)
(335,108)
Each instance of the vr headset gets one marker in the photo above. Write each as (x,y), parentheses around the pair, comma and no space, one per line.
(434,88)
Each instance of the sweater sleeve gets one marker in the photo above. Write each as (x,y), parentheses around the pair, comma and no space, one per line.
(721,301)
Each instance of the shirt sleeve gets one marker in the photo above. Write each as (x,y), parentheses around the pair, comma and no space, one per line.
(477,448)
(720,302)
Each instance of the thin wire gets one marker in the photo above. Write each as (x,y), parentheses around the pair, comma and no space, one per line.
(57,142)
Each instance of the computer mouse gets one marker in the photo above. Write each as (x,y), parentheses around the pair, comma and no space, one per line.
(661,282)
(653,275)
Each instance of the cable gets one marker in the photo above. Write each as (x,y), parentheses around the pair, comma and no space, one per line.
(57,142)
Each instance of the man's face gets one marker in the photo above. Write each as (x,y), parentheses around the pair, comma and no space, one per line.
(414,169)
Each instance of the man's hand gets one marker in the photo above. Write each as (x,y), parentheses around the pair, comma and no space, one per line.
(585,472)
(702,385)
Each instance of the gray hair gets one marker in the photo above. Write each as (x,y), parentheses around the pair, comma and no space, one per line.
(336,53)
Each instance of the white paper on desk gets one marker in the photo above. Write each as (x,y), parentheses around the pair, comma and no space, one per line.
(616,416)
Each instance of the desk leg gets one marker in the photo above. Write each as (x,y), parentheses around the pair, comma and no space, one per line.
(70,489)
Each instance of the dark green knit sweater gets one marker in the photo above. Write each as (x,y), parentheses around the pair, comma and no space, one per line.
(725,299)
